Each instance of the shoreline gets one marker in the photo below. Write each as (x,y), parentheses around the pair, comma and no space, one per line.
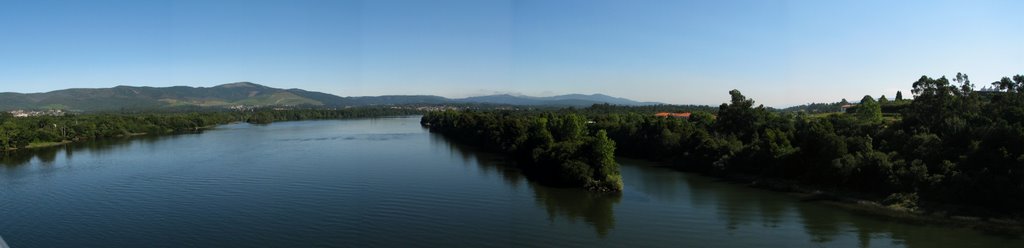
(46,144)
(855,202)
(858,203)
(41,145)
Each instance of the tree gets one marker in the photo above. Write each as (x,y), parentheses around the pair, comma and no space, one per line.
(869,110)
(602,155)
(867,98)
(558,147)
(6,136)
(882,100)
(737,117)
(567,127)
(899,96)
(934,101)
(966,88)
(1009,85)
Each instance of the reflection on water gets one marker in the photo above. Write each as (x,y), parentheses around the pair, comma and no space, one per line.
(48,155)
(593,208)
(742,210)
(368,137)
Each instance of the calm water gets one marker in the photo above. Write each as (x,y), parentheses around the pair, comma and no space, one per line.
(389,183)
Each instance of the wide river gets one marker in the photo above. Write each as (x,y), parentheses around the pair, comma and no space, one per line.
(387,182)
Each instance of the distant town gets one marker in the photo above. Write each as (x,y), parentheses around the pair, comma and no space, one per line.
(33,113)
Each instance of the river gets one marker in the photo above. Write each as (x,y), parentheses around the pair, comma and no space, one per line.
(387,182)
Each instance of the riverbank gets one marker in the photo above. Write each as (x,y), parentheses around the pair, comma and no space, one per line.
(924,213)
(46,144)
(54,131)
(339,115)
(38,145)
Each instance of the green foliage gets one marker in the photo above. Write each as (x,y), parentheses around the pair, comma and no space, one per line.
(907,201)
(951,146)
(869,110)
(553,147)
(816,108)
(739,116)
(1014,85)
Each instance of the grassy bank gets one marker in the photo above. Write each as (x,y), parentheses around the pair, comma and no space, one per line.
(34,145)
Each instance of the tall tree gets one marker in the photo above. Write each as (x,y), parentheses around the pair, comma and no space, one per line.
(603,155)
(869,109)
(738,117)
(1009,85)
(899,96)
(966,88)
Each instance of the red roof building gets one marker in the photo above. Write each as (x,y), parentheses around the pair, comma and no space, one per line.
(685,115)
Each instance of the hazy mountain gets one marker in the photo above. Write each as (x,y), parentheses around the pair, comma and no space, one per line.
(562,100)
(130,97)
(391,100)
(250,94)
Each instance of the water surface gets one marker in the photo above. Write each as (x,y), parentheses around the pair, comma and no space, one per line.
(388,183)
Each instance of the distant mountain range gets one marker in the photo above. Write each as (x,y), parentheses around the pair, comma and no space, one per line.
(250,94)
(562,100)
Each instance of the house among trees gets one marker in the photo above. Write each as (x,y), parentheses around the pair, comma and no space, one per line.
(684,115)
(989,89)
(843,108)
(32,113)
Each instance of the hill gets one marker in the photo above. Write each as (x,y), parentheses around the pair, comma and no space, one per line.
(251,94)
(577,100)
(132,97)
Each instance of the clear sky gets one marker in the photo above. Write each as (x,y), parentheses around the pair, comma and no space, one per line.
(780,53)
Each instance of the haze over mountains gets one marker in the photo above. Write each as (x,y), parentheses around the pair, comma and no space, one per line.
(250,94)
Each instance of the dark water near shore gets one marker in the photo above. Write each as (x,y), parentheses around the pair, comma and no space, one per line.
(389,183)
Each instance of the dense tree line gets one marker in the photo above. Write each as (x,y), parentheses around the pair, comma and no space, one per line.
(816,108)
(882,105)
(18,133)
(553,147)
(952,146)
(887,106)
(598,109)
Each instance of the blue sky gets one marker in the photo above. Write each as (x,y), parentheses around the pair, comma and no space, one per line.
(780,53)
